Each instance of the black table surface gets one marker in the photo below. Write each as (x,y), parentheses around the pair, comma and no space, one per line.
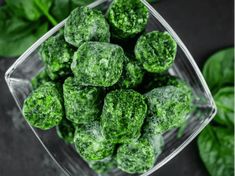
(203,25)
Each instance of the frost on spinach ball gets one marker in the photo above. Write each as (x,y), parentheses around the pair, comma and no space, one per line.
(98,64)
(127,18)
(44,107)
(156,51)
(91,144)
(39,79)
(132,74)
(84,24)
(123,115)
(169,108)
(137,156)
(65,130)
(57,56)
(103,166)
(82,104)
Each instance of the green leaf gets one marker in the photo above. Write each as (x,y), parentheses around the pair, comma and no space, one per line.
(82,2)
(61,9)
(219,69)
(224,100)
(24,8)
(19,34)
(216,150)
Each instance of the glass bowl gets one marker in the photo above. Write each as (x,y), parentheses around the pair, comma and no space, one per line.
(19,75)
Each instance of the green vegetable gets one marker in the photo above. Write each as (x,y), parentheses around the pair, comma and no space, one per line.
(39,79)
(29,9)
(127,18)
(82,2)
(168,107)
(91,144)
(218,71)
(82,104)
(57,56)
(216,148)
(224,100)
(16,34)
(132,74)
(137,156)
(84,24)
(123,115)
(103,166)
(156,51)
(98,64)
(65,130)
(43,108)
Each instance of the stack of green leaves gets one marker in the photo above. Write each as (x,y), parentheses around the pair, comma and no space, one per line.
(97,95)
(216,142)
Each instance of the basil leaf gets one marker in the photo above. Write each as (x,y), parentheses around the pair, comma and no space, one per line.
(219,69)
(216,150)
(224,100)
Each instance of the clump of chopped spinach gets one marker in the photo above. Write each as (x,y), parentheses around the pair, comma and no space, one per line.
(132,74)
(65,130)
(123,115)
(82,104)
(127,18)
(43,108)
(137,156)
(84,24)
(98,64)
(91,144)
(156,51)
(39,79)
(103,166)
(57,56)
(169,108)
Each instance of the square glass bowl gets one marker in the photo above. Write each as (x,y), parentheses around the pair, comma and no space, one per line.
(19,75)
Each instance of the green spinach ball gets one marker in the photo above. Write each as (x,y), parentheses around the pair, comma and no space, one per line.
(103,166)
(82,104)
(84,24)
(137,156)
(91,144)
(156,51)
(43,108)
(132,75)
(98,64)
(57,57)
(65,130)
(39,79)
(123,115)
(127,18)
(169,108)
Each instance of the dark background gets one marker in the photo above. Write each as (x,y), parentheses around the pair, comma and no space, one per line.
(203,25)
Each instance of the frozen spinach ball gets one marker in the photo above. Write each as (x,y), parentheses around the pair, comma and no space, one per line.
(127,18)
(82,104)
(39,79)
(98,64)
(65,130)
(103,166)
(91,144)
(123,115)
(169,108)
(57,56)
(132,75)
(156,51)
(84,24)
(43,108)
(137,156)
